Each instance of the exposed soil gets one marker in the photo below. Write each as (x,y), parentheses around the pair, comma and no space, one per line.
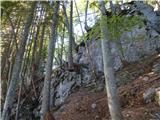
(88,104)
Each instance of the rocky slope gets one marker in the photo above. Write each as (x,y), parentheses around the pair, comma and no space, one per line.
(76,96)
(89,103)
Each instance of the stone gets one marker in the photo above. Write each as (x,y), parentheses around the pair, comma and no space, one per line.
(156,68)
(146,78)
(148,95)
(157,96)
(93,106)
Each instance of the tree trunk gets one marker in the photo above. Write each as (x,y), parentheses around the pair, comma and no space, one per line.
(70,56)
(19,99)
(87,28)
(79,19)
(67,24)
(112,7)
(11,43)
(51,48)
(110,79)
(35,45)
(39,57)
(118,41)
(16,68)
(62,45)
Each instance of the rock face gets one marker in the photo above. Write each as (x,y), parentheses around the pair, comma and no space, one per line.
(64,82)
(152,16)
(136,44)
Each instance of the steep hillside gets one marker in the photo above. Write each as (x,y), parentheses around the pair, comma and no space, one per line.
(91,104)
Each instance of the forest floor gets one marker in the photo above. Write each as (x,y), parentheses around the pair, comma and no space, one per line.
(89,104)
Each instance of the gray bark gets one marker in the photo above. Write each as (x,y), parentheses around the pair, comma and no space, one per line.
(12,52)
(110,79)
(67,24)
(51,49)
(87,28)
(62,46)
(118,42)
(41,45)
(16,68)
(79,18)
(11,43)
(70,56)
(112,7)
(18,103)
(35,45)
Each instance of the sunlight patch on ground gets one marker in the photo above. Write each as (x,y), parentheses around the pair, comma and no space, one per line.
(151,73)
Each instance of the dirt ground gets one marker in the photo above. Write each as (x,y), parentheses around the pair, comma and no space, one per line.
(88,104)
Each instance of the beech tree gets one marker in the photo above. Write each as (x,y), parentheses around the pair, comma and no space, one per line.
(110,79)
(70,56)
(87,28)
(51,49)
(67,24)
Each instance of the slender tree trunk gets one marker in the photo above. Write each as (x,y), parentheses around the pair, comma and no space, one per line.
(35,45)
(51,48)
(39,57)
(79,18)
(14,34)
(33,62)
(5,55)
(18,103)
(87,28)
(112,7)
(12,51)
(16,68)
(118,42)
(70,56)
(68,25)
(110,79)
(62,45)
(11,43)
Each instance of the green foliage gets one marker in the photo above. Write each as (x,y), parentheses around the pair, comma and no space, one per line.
(94,33)
(95,4)
(117,25)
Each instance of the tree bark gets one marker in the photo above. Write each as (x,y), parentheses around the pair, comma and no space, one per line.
(17,67)
(118,41)
(79,18)
(87,28)
(19,99)
(35,45)
(11,43)
(51,49)
(62,45)
(67,25)
(70,56)
(110,79)
(41,45)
